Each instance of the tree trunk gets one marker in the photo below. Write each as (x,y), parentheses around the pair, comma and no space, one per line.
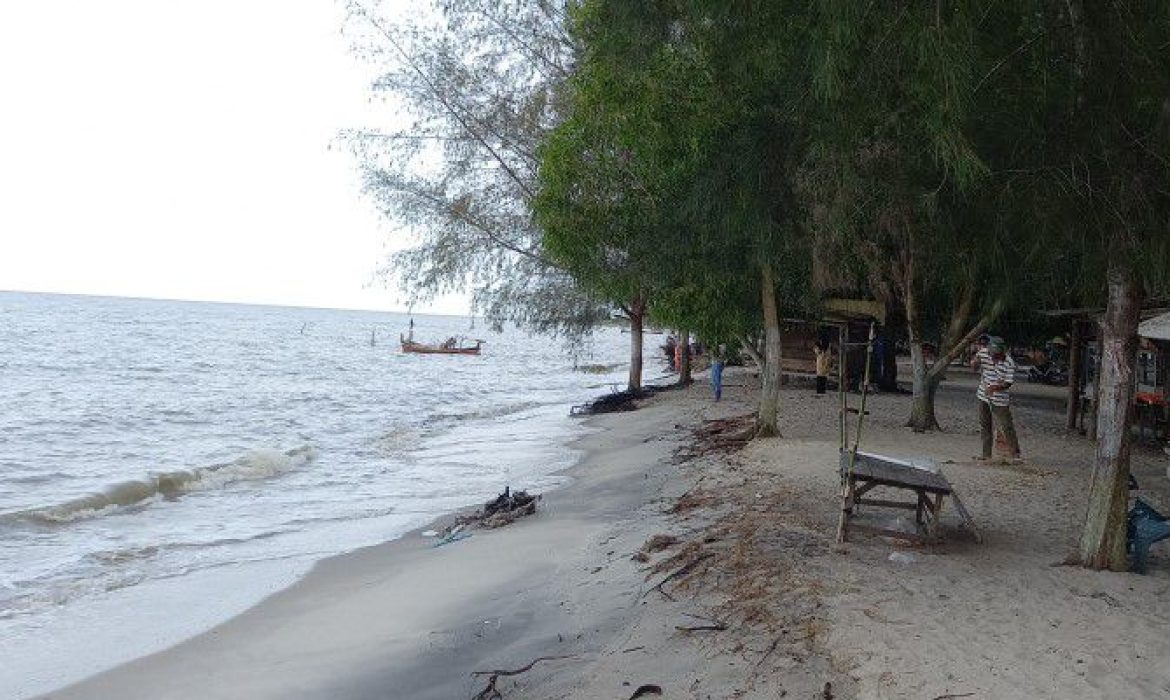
(1103,536)
(922,416)
(1095,404)
(926,379)
(684,370)
(637,313)
(771,371)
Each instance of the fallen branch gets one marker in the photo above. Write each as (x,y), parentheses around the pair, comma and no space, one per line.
(501,510)
(683,571)
(771,648)
(701,628)
(490,692)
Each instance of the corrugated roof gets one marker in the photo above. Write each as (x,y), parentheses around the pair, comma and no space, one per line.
(1157,328)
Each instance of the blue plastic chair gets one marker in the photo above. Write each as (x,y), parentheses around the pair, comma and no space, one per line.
(1144,527)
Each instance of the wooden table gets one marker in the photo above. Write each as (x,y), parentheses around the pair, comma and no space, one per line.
(930,489)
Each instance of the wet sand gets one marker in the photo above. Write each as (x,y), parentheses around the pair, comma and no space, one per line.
(759,601)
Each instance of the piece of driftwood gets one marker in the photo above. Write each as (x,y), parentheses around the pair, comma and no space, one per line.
(491,693)
(768,652)
(679,573)
(701,628)
(501,510)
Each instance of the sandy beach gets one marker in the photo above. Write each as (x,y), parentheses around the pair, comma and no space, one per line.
(756,600)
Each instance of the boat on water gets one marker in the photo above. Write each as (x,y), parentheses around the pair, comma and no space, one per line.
(451,346)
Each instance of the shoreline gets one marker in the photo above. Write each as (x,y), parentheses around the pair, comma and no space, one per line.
(745,595)
(126,678)
(216,595)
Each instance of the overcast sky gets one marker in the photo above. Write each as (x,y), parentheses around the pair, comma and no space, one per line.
(180,149)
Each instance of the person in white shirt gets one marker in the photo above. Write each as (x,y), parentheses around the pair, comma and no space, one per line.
(997,373)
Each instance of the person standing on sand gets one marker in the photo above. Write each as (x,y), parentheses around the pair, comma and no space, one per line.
(824,361)
(717,372)
(997,372)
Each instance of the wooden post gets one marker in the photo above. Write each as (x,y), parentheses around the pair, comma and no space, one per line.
(1075,359)
(846,507)
(1096,386)
(842,339)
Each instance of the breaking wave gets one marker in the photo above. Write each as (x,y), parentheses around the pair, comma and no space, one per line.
(499,411)
(258,464)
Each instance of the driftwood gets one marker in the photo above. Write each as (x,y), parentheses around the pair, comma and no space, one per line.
(501,510)
(768,652)
(490,692)
(701,628)
(679,573)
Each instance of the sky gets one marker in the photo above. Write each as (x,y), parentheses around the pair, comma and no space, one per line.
(188,149)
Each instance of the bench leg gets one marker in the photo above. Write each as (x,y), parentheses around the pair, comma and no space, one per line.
(932,527)
(847,497)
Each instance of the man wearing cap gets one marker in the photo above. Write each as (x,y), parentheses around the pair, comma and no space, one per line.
(997,371)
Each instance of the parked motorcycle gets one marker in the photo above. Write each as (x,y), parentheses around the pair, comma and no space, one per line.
(1048,374)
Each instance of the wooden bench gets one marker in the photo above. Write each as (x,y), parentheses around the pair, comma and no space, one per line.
(930,488)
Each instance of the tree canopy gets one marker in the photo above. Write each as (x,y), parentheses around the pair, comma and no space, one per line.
(715,165)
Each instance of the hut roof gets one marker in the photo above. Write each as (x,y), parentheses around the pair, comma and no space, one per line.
(1156,328)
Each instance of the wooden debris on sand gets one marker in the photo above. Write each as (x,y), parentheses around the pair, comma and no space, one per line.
(618,401)
(491,693)
(610,403)
(721,435)
(501,510)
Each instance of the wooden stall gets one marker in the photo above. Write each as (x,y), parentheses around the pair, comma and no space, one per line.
(1153,389)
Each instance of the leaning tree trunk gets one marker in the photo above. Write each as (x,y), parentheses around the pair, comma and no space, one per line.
(770,372)
(684,365)
(927,379)
(637,314)
(1103,536)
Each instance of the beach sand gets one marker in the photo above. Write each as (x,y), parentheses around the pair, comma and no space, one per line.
(758,600)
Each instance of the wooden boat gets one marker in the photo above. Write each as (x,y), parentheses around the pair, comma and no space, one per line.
(447,348)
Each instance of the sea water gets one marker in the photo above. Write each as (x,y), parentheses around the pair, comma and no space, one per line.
(164,465)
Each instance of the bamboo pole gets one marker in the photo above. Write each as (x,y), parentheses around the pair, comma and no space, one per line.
(842,338)
(847,490)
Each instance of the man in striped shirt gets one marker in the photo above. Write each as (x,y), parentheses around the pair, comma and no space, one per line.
(997,372)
